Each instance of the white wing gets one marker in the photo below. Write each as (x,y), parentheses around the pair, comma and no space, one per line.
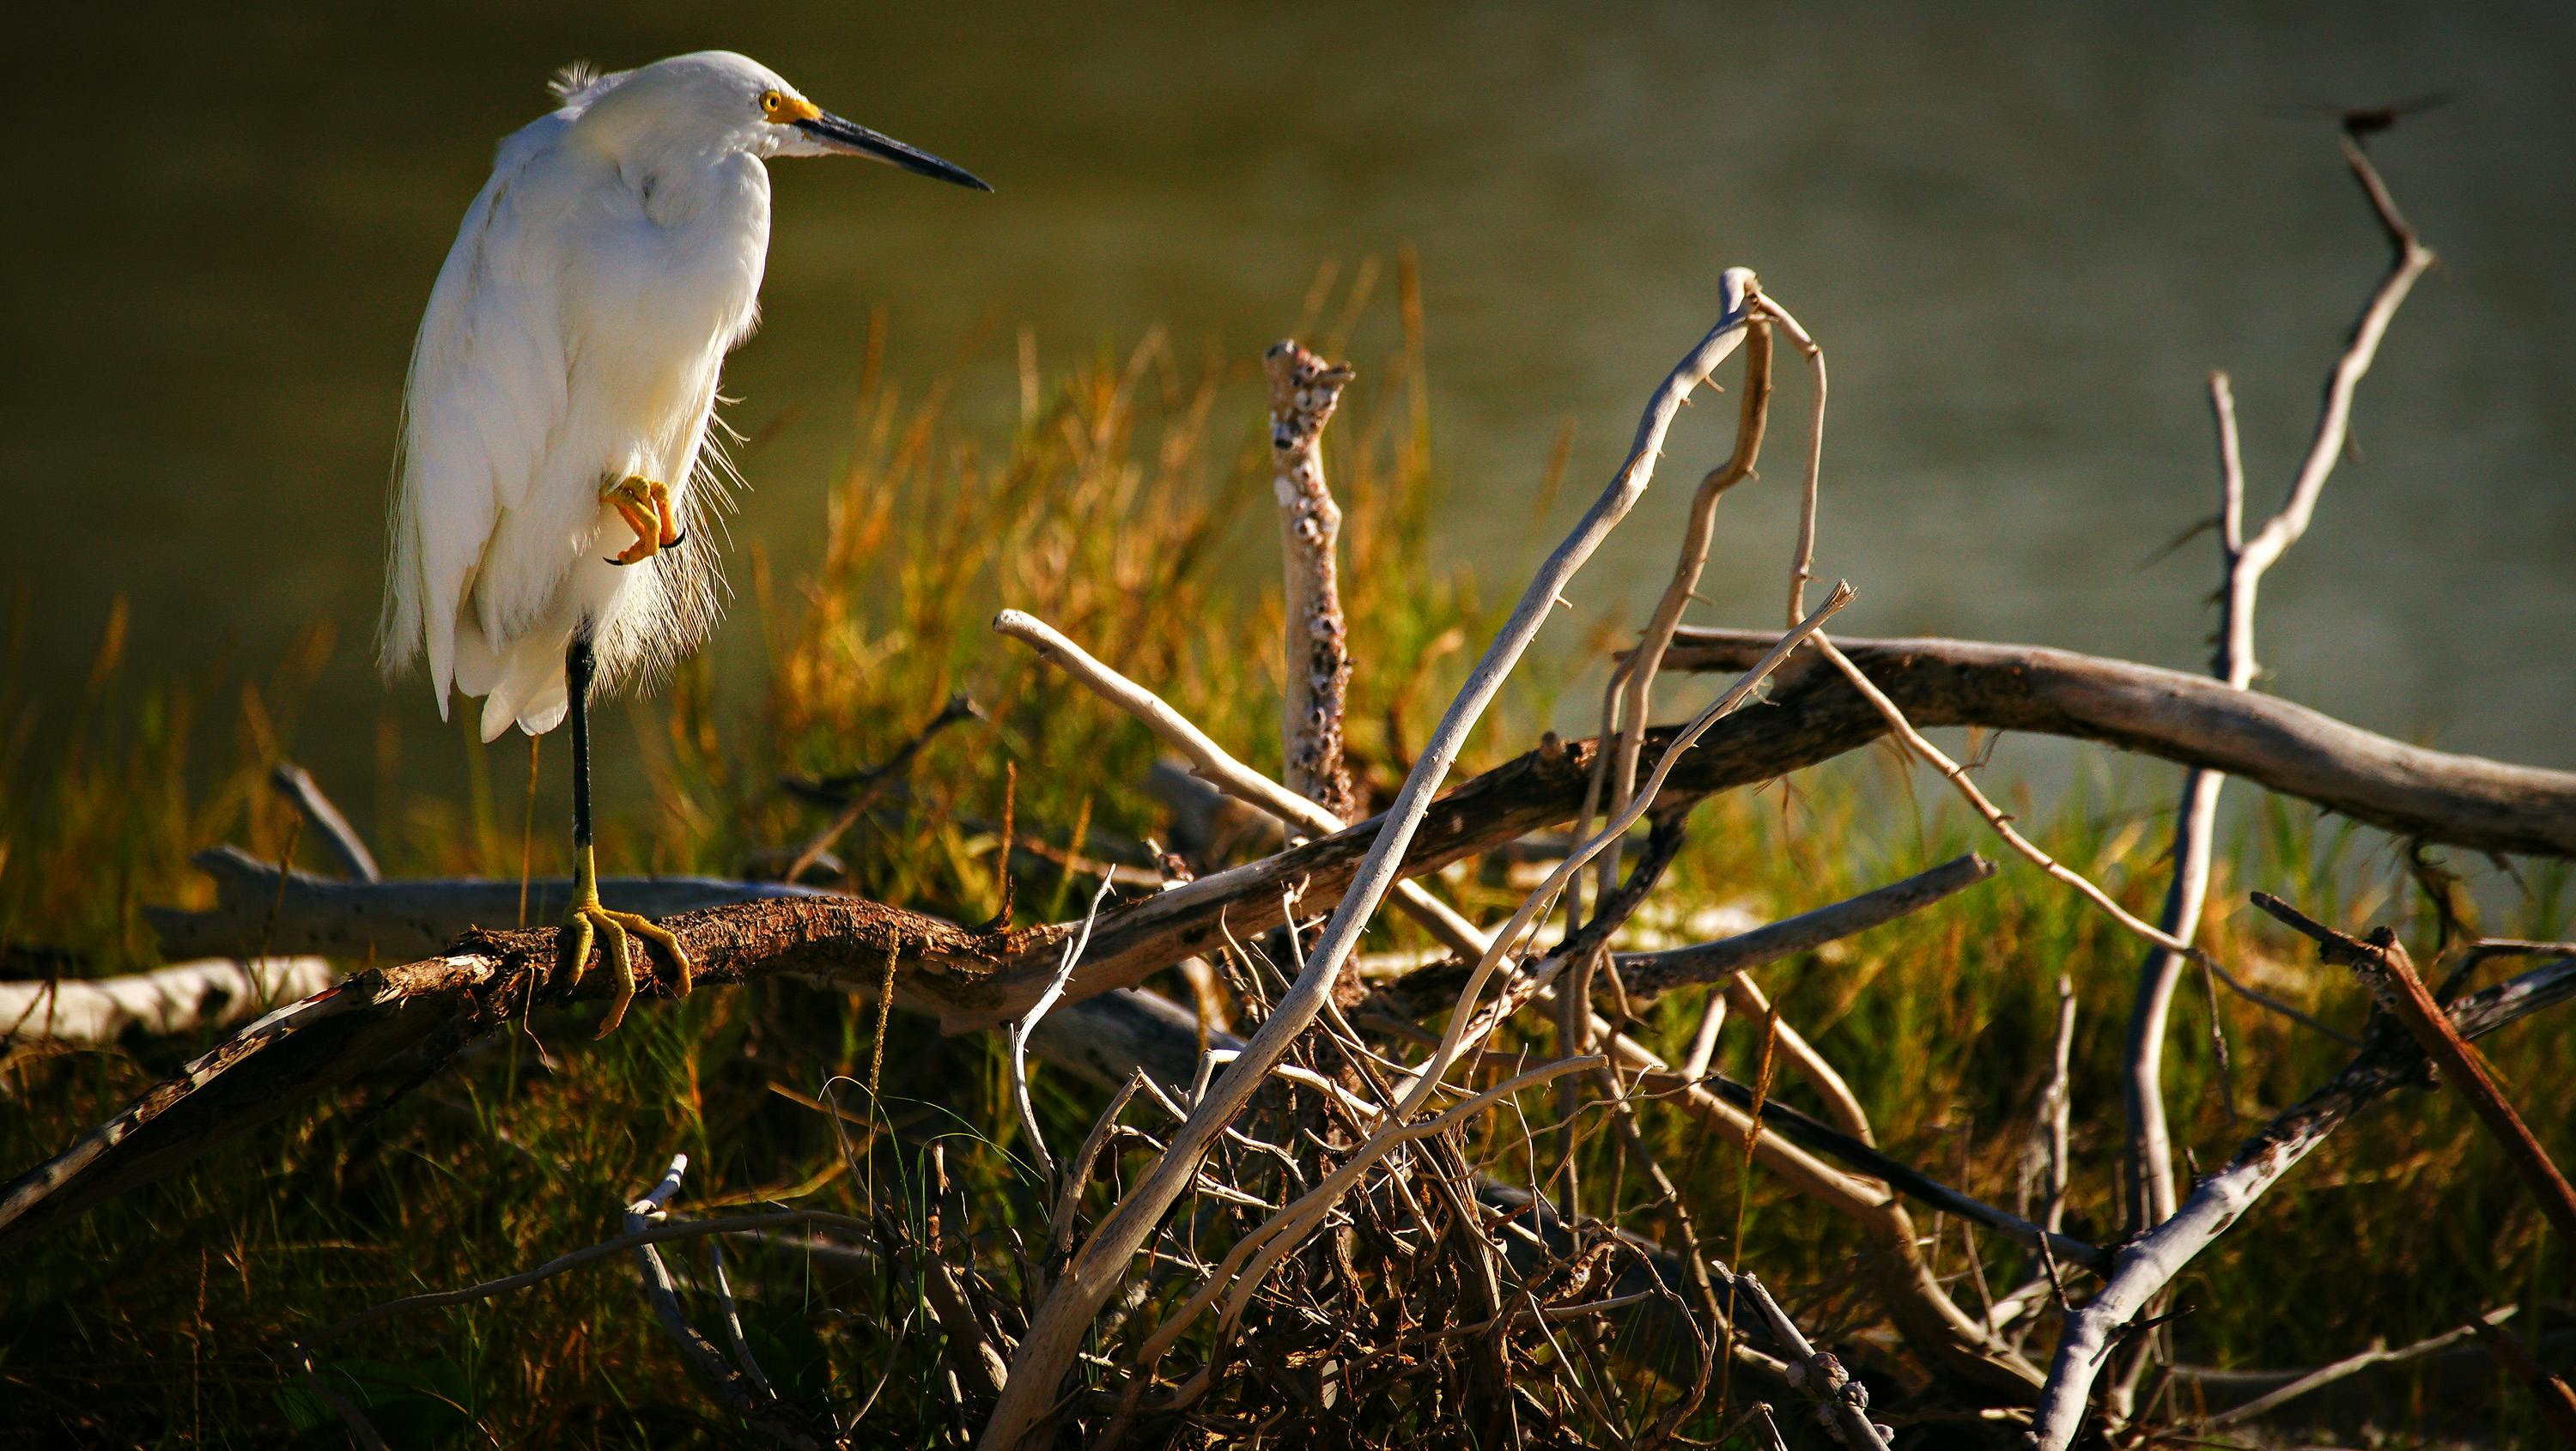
(486,392)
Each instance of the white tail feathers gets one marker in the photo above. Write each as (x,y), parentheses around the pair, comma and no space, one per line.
(522,683)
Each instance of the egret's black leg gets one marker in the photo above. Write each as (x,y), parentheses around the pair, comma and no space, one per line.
(587,916)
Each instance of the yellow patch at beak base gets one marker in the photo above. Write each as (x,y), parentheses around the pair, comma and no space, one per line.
(792,109)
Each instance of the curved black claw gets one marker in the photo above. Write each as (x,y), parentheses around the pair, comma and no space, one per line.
(678,539)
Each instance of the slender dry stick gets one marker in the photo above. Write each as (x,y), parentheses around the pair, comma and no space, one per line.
(1068,1199)
(1803,564)
(1625,743)
(2247,559)
(733,1321)
(2352,1365)
(1056,1331)
(726,1382)
(1703,1049)
(1637,673)
(1304,390)
(1212,762)
(1028,1023)
(2057,1107)
(2030,851)
(297,785)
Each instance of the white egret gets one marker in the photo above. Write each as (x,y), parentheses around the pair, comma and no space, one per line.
(555,421)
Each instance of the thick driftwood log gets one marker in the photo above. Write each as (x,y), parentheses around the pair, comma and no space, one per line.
(180,998)
(2462,800)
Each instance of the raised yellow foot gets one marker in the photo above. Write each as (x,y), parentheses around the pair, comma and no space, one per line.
(645,505)
(588,917)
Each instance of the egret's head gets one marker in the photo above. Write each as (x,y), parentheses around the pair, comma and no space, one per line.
(717,101)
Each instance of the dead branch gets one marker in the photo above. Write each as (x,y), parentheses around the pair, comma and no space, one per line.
(2381,963)
(2246,561)
(2377,1355)
(1651,974)
(2407,790)
(1632,683)
(185,997)
(1304,390)
(738,1390)
(398,921)
(297,785)
(1214,764)
(1865,1158)
(2390,1060)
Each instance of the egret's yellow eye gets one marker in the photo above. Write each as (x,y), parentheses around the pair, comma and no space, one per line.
(770,101)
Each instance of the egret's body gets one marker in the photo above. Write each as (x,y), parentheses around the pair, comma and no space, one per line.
(561,391)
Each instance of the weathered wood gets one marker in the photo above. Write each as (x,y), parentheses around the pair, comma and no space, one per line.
(181,998)
(2466,801)
(1304,390)
(398,921)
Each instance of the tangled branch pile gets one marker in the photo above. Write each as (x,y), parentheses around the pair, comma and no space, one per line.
(1371,1200)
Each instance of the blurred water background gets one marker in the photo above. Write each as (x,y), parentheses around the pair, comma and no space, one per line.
(2025,231)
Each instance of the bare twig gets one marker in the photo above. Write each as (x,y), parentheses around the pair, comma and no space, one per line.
(2057,1106)
(2351,1365)
(864,787)
(658,1232)
(736,1390)
(1649,974)
(1218,766)
(297,785)
(1634,679)
(1028,1023)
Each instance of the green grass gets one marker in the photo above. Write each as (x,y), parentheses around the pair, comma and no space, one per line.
(1128,507)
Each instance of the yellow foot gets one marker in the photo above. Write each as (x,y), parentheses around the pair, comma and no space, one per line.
(587,918)
(645,505)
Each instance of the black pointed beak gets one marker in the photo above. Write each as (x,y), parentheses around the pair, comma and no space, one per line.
(857,140)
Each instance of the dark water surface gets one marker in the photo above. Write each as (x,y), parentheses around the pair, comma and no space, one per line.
(2025,232)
